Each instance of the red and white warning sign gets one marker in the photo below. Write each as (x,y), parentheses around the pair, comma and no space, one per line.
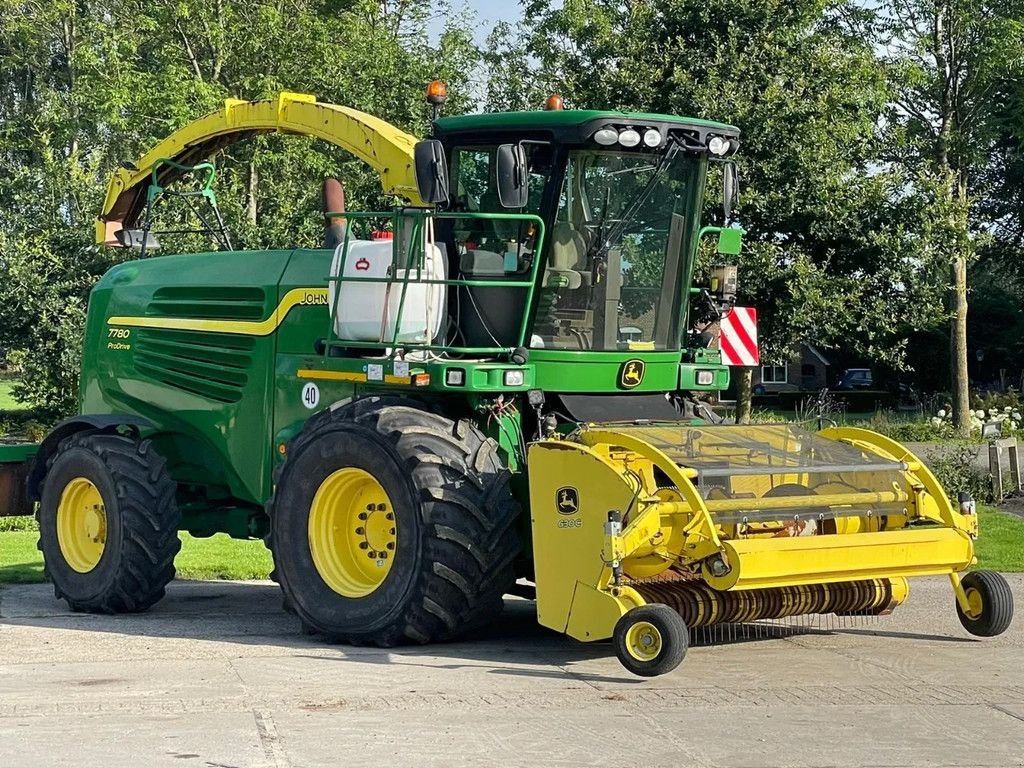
(738,337)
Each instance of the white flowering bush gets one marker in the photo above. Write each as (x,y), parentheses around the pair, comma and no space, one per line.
(1008,418)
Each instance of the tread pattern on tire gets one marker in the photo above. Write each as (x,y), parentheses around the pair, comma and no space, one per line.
(675,638)
(149,519)
(998,597)
(468,510)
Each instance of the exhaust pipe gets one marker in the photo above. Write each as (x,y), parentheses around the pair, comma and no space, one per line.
(332,200)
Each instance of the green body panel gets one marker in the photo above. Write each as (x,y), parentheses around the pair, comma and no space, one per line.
(208,395)
(15,452)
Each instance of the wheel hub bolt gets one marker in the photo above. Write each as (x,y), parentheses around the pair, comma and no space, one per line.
(391,545)
(363,545)
(390,515)
(362,515)
(360,531)
(372,555)
(392,531)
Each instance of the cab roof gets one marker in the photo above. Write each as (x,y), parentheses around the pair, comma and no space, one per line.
(567,118)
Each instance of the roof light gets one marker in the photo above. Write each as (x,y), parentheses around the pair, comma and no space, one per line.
(718,146)
(437,92)
(555,102)
(629,138)
(606,137)
(652,137)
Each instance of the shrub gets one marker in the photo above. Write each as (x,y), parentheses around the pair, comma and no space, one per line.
(954,467)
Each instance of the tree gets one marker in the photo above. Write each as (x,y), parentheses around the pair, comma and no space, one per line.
(835,251)
(88,84)
(950,59)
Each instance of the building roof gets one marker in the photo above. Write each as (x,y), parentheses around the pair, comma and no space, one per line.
(814,351)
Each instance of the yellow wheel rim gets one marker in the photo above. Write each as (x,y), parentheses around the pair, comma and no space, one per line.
(975,605)
(81,524)
(352,532)
(643,641)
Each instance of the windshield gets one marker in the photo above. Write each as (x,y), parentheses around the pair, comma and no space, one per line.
(614,270)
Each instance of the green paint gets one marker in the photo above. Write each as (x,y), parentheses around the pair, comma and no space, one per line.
(527,121)
(14,452)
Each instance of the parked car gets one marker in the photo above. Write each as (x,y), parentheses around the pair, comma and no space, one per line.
(856,378)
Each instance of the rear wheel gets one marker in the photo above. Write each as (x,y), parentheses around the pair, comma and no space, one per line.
(108,523)
(391,523)
(990,604)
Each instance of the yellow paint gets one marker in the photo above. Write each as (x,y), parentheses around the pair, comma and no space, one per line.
(382,146)
(822,500)
(594,612)
(81,524)
(294,298)
(673,525)
(777,562)
(643,641)
(311,373)
(352,532)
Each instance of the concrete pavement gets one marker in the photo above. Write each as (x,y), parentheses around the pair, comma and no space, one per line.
(217,675)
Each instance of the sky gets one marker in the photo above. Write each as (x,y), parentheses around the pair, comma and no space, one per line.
(487,13)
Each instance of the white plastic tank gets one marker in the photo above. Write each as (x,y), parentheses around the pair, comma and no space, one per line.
(369,311)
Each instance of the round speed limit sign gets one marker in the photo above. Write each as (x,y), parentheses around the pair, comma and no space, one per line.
(311,395)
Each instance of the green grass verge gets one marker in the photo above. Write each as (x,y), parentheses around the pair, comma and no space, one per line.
(1000,545)
(7,402)
(217,557)
(999,548)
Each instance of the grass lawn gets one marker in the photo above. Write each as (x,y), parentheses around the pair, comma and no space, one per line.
(8,403)
(218,557)
(1000,548)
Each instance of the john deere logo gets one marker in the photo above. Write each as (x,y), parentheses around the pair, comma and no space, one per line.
(567,500)
(631,374)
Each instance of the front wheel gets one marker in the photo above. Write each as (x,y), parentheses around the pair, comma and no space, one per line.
(392,524)
(650,640)
(990,604)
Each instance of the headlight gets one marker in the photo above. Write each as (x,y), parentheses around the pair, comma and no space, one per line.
(718,146)
(606,137)
(629,138)
(455,377)
(515,378)
(652,138)
(705,378)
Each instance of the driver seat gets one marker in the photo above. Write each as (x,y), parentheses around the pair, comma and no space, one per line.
(568,249)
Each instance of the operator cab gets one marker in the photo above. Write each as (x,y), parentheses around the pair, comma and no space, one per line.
(620,197)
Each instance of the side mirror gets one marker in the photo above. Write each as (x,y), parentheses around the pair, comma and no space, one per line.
(730,190)
(431,172)
(511,176)
(138,239)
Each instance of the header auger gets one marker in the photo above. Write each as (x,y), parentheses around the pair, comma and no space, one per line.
(503,380)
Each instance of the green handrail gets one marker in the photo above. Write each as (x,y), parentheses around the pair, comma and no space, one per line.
(419,219)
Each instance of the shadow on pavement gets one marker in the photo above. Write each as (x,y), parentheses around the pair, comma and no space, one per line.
(250,613)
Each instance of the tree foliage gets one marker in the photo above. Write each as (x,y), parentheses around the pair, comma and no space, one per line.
(86,85)
(837,245)
(880,141)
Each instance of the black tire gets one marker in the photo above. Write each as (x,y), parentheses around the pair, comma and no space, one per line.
(455,513)
(996,604)
(671,639)
(141,516)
